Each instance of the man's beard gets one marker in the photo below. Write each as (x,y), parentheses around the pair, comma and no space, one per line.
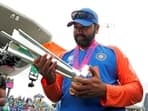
(84,41)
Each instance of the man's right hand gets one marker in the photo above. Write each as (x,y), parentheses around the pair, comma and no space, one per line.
(46,67)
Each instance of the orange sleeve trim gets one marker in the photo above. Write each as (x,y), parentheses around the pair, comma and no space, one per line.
(129,90)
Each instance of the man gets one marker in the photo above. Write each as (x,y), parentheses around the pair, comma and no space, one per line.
(113,84)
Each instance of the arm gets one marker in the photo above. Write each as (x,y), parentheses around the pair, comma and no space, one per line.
(129,91)
(53,91)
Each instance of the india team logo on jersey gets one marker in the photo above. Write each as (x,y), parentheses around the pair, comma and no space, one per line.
(101,56)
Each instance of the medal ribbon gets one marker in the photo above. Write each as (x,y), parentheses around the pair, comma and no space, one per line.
(87,56)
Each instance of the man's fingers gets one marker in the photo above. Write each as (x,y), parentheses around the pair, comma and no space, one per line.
(81,80)
(80,90)
(79,87)
(94,71)
(40,60)
(72,91)
(37,60)
(52,67)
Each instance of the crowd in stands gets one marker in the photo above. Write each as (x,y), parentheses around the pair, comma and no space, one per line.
(36,103)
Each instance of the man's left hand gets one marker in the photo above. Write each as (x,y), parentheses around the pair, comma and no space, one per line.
(88,87)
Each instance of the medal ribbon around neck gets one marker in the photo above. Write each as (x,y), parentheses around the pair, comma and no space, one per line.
(87,57)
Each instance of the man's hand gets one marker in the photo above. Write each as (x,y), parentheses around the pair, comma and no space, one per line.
(88,87)
(46,68)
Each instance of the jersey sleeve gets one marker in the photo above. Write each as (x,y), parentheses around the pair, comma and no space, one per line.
(53,91)
(129,90)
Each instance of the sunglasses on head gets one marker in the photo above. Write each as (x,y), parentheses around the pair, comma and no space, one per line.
(81,15)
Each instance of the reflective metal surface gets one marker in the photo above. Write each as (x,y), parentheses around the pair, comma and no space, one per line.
(9,20)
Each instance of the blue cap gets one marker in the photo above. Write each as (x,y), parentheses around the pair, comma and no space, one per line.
(84,16)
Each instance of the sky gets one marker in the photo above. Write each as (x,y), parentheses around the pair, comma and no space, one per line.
(123,23)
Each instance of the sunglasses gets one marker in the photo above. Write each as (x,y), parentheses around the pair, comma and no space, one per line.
(82,15)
